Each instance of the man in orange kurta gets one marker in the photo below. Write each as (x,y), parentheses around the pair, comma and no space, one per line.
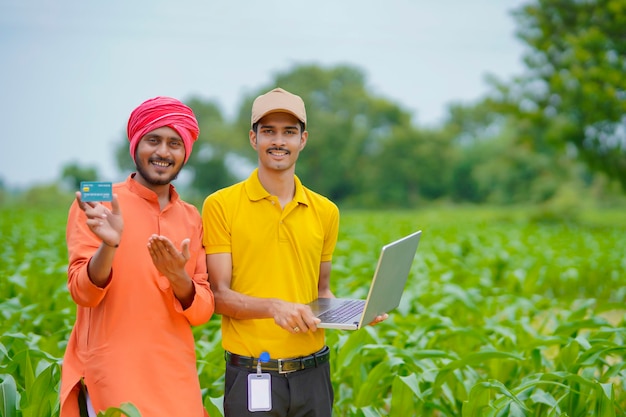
(137,272)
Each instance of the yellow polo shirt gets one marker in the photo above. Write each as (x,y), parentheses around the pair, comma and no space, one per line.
(276,253)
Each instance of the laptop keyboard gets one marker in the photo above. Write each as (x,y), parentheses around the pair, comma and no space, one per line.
(343,312)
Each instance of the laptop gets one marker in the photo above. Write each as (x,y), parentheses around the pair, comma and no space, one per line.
(392,271)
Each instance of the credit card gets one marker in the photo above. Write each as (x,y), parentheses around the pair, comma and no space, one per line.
(96,191)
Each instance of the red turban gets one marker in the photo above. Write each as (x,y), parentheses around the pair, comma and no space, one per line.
(159,112)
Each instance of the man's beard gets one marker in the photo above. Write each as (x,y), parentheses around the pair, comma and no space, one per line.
(155,181)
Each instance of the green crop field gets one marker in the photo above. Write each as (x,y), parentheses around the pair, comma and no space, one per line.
(507,312)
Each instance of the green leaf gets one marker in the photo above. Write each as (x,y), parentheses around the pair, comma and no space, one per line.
(539,396)
(605,407)
(125,409)
(572,328)
(403,395)
(8,396)
(472,359)
(40,399)
(29,373)
(478,403)
(569,354)
(372,387)
(214,406)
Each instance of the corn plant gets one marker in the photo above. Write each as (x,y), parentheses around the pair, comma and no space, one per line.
(505,313)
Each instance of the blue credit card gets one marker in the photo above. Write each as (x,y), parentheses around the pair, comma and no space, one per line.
(96,191)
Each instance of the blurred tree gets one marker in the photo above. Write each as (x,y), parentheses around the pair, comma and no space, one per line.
(411,166)
(73,173)
(492,165)
(468,127)
(574,90)
(209,161)
(122,155)
(363,150)
(3,192)
(46,195)
(510,173)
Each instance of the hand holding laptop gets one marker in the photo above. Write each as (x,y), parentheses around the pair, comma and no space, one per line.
(294,317)
(299,318)
(379,319)
(386,288)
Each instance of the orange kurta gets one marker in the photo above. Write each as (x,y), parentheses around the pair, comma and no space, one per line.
(132,340)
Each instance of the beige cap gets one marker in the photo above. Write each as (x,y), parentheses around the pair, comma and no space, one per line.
(278,101)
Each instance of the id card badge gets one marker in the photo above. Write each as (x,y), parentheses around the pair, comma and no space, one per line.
(259,392)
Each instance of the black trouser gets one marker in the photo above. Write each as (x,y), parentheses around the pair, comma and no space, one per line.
(305,393)
(82,401)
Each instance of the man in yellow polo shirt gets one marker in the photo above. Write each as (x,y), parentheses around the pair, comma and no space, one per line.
(269,242)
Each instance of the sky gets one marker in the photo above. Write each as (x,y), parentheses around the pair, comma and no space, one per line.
(73,70)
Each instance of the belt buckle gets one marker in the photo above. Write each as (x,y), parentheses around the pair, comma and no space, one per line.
(286,366)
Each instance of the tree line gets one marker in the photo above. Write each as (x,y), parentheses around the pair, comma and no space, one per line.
(556,132)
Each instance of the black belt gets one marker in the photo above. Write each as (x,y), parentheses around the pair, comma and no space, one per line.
(282,366)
